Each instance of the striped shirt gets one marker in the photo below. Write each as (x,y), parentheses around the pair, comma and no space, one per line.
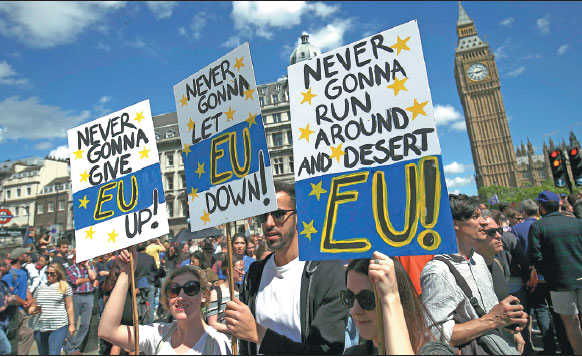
(75,272)
(54,314)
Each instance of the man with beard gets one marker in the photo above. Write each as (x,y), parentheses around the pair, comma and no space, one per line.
(288,306)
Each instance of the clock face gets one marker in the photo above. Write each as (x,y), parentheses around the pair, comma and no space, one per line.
(477,71)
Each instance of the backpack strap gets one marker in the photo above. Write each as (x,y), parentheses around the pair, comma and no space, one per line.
(462,283)
(219,299)
(166,337)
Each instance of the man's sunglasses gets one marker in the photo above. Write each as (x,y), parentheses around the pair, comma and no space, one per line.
(365,298)
(491,232)
(278,215)
(191,288)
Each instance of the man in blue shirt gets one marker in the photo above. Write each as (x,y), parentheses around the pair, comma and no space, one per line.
(17,281)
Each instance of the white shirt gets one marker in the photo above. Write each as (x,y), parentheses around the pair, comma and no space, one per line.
(277,305)
(151,339)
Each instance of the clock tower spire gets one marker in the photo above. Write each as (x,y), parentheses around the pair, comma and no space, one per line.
(480,94)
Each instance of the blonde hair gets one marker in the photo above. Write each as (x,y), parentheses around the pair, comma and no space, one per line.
(194,270)
(63,285)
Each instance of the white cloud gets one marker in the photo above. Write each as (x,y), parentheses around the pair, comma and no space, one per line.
(61,152)
(233,41)
(8,75)
(330,36)
(151,48)
(563,49)
(460,125)
(31,119)
(543,24)
(445,114)
(500,51)
(551,133)
(100,109)
(516,72)
(43,145)
(196,25)
(455,192)
(162,9)
(454,168)
(459,181)
(42,24)
(507,22)
(103,46)
(261,17)
(537,55)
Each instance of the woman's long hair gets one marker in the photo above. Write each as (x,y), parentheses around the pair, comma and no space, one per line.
(415,313)
(61,278)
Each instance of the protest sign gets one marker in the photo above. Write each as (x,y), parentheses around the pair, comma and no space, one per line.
(369,170)
(118,198)
(227,166)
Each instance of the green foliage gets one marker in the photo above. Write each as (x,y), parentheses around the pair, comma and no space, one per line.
(511,194)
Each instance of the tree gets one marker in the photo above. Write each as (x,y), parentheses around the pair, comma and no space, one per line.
(512,194)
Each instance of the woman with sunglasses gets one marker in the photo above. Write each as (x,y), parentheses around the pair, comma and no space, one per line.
(183,294)
(52,312)
(405,328)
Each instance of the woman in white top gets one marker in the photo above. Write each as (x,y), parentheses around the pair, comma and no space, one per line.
(49,320)
(183,294)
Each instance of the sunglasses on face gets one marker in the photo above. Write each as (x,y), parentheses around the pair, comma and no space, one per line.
(191,288)
(365,298)
(278,215)
(48,273)
(492,232)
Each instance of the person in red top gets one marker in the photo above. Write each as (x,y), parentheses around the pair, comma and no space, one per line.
(413,266)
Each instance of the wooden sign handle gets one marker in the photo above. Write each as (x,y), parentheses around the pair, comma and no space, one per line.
(132,259)
(381,347)
(230,280)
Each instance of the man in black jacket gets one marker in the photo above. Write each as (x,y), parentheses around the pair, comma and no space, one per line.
(286,306)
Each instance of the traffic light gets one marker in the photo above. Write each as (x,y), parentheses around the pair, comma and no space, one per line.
(576,164)
(559,171)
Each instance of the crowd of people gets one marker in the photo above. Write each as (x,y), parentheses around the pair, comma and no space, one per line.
(513,262)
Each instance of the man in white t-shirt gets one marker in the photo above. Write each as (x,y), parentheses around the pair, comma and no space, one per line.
(288,306)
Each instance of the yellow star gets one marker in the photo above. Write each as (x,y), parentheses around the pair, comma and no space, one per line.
(230,114)
(184,100)
(239,63)
(205,217)
(190,125)
(112,236)
(316,190)
(78,154)
(138,117)
(144,153)
(193,193)
(337,152)
(400,44)
(251,119)
(84,202)
(249,94)
(305,132)
(200,169)
(186,149)
(398,85)
(417,108)
(84,176)
(90,233)
(308,229)
(307,96)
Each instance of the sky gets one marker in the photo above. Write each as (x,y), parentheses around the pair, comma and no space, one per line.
(63,64)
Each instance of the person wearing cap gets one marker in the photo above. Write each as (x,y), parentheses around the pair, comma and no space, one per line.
(17,280)
(555,249)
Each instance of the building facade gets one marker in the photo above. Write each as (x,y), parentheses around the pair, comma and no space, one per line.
(25,182)
(54,206)
(480,93)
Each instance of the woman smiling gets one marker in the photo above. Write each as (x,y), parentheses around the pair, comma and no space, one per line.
(183,294)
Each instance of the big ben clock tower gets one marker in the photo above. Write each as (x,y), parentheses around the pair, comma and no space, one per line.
(480,93)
